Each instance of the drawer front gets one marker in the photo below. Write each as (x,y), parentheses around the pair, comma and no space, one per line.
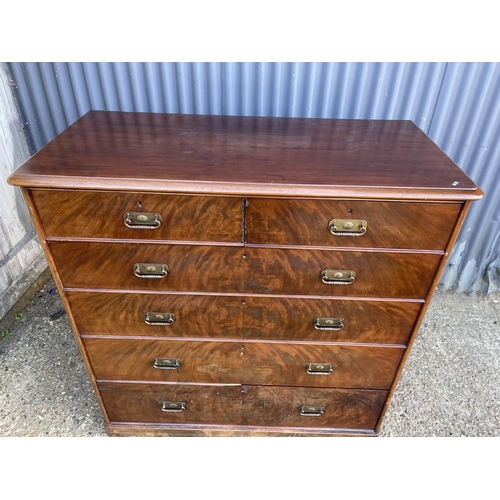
(126,314)
(425,226)
(101,215)
(242,405)
(144,403)
(195,316)
(243,363)
(342,408)
(363,321)
(263,271)
(111,266)
(378,274)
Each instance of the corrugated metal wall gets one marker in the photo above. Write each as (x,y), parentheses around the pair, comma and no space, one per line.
(456,104)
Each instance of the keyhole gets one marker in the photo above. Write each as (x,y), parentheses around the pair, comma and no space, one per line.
(139,204)
(349,211)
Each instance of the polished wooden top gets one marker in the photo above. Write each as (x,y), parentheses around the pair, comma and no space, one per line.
(247,155)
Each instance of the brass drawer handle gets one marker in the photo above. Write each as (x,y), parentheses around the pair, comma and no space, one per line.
(312,411)
(329,323)
(173,406)
(319,368)
(337,277)
(166,363)
(159,319)
(347,227)
(142,220)
(150,270)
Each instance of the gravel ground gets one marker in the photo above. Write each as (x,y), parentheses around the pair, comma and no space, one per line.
(450,385)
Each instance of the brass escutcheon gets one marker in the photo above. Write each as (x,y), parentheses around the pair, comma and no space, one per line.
(338,277)
(147,270)
(159,318)
(347,227)
(142,220)
(328,323)
(312,411)
(173,406)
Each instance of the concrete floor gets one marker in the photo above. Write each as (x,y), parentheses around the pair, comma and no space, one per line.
(450,385)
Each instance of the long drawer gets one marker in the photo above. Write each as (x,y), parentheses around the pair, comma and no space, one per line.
(367,367)
(242,405)
(252,270)
(265,318)
(424,226)
(103,215)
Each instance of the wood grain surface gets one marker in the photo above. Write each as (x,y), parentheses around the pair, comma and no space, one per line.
(123,314)
(366,367)
(111,265)
(242,405)
(378,274)
(270,318)
(100,215)
(425,226)
(349,409)
(205,404)
(384,322)
(234,154)
(262,271)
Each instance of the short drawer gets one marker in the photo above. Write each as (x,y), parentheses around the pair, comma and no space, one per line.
(329,320)
(367,367)
(242,405)
(312,407)
(84,214)
(157,315)
(399,225)
(151,403)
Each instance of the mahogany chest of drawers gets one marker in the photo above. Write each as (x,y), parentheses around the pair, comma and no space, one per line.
(241,275)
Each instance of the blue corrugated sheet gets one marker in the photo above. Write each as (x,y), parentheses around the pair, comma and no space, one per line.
(456,104)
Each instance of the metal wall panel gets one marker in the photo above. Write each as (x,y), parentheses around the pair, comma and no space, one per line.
(457,104)
(466,126)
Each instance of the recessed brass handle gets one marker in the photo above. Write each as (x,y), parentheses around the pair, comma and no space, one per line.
(166,363)
(328,323)
(159,319)
(319,368)
(312,411)
(337,277)
(145,270)
(347,227)
(142,220)
(173,406)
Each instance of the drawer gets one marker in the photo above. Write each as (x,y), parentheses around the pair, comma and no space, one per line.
(363,321)
(343,408)
(204,404)
(90,214)
(200,316)
(366,367)
(111,266)
(124,314)
(378,274)
(242,405)
(400,225)
(262,271)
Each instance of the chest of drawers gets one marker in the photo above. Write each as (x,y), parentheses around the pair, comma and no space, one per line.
(240,275)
